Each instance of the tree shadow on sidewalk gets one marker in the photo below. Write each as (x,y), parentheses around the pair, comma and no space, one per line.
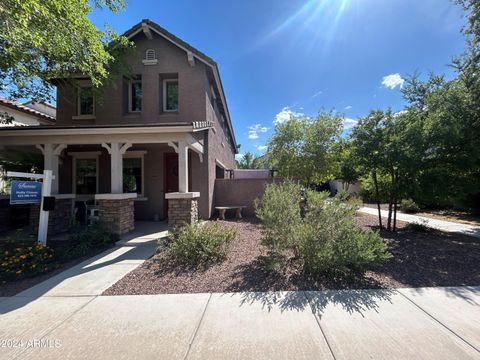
(351,301)
(294,291)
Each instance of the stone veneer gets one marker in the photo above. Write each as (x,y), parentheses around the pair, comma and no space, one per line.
(182,209)
(59,220)
(117,214)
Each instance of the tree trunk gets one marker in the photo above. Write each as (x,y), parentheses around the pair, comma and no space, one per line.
(375,182)
(391,200)
(395,203)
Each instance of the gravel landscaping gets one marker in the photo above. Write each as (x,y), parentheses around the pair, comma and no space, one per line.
(419,259)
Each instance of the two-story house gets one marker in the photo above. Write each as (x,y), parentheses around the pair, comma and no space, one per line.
(150,146)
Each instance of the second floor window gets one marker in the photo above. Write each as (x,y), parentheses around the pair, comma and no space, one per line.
(135,95)
(85,101)
(170,95)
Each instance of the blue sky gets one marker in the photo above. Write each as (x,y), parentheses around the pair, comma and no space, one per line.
(282,57)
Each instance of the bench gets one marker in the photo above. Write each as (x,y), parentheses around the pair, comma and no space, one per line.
(222,209)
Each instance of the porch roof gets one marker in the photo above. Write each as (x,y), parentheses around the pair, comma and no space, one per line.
(97,134)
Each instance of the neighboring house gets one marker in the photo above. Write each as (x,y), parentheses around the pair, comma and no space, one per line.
(159,137)
(339,185)
(30,113)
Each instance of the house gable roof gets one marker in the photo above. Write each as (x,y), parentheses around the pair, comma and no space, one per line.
(42,117)
(147,25)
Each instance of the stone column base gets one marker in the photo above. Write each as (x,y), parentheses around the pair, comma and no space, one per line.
(182,209)
(59,220)
(116,212)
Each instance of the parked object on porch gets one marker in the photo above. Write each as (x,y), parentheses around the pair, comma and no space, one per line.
(92,213)
(223,209)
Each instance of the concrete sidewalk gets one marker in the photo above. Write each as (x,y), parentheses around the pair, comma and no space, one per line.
(441,225)
(424,323)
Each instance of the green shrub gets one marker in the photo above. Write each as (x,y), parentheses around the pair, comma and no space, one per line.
(200,244)
(26,258)
(279,210)
(326,240)
(409,206)
(417,227)
(331,242)
(85,241)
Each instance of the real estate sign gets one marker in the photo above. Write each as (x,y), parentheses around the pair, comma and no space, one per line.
(26,192)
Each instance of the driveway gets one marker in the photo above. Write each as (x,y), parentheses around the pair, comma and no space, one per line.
(442,225)
(66,318)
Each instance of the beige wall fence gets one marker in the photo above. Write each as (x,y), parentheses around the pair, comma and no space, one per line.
(241,192)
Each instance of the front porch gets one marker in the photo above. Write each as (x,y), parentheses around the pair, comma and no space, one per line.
(128,173)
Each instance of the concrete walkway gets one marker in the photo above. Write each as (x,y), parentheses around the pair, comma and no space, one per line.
(441,225)
(93,276)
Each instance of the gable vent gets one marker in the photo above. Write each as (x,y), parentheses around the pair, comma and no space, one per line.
(150,57)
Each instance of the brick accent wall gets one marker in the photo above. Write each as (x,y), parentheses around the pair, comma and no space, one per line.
(117,215)
(182,212)
(59,220)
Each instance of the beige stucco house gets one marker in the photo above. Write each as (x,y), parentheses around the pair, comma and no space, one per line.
(27,114)
(151,146)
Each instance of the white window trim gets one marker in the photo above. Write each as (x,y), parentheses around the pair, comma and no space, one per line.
(79,155)
(130,83)
(84,84)
(138,154)
(165,81)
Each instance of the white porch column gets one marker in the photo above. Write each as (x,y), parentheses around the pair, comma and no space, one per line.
(182,166)
(51,153)
(116,150)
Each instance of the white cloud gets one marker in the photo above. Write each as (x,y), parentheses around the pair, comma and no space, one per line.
(253,131)
(317,94)
(392,81)
(348,107)
(261,147)
(285,115)
(239,157)
(349,123)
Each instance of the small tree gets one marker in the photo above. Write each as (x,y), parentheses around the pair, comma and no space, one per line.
(368,140)
(250,161)
(347,167)
(304,148)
